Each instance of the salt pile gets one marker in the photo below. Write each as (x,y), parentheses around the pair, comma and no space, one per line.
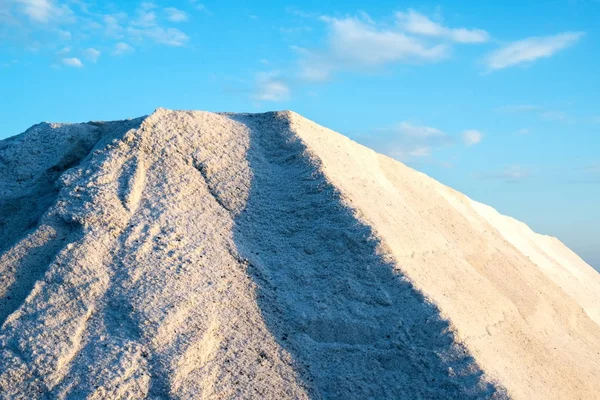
(195,255)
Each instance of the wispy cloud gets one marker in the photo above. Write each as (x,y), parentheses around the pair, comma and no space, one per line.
(176,15)
(359,43)
(587,174)
(122,48)
(512,174)
(550,115)
(299,13)
(6,17)
(167,36)
(518,108)
(146,26)
(51,26)
(200,7)
(270,87)
(471,137)
(541,112)
(417,23)
(45,11)
(64,50)
(112,25)
(410,142)
(295,29)
(145,16)
(92,54)
(72,62)
(530,49)
(407,141)
(419,131)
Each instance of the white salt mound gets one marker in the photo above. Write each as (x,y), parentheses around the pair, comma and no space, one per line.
(194,255)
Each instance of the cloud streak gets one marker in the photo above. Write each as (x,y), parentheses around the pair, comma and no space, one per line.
(72,62)
(530,49)
(92,54)
(176,15)
(512,174)
(471,137)
(542,113)
(407,141)
(270,87)
(417,23)
(122,48)
(45,11)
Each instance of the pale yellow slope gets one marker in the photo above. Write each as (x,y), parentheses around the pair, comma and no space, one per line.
(523,328)
(555,260)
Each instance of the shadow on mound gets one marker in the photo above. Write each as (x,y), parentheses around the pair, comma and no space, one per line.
(355,327)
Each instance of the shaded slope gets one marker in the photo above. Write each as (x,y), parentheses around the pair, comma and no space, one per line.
(329,294)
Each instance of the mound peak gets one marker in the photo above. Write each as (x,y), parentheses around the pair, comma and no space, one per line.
(192,254)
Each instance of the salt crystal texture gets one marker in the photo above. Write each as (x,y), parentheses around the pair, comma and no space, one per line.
(196,255)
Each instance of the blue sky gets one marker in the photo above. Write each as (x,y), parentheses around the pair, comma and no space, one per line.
(499,100)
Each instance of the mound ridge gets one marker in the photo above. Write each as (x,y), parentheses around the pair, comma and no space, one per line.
(191,254)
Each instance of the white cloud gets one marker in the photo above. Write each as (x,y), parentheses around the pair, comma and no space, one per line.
(314,66)
(408,129)
(200,7)
(147,5)
(523,131)
(295,30)
(92,54)
(6,16)
(175,15)
(145,18)
(407,141)
(63,51)
(44,11)
(146,26)
(270,87)
(112,26)
(359,43)
(72,62)
(550,115)
(510,174)
(64,35)
(419,151)
(471,137)
(45,22)
(530,49)
(355,41)
(297,12)
(167,36)
(541,112)
(414,22)
(122,48)
(517,108)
